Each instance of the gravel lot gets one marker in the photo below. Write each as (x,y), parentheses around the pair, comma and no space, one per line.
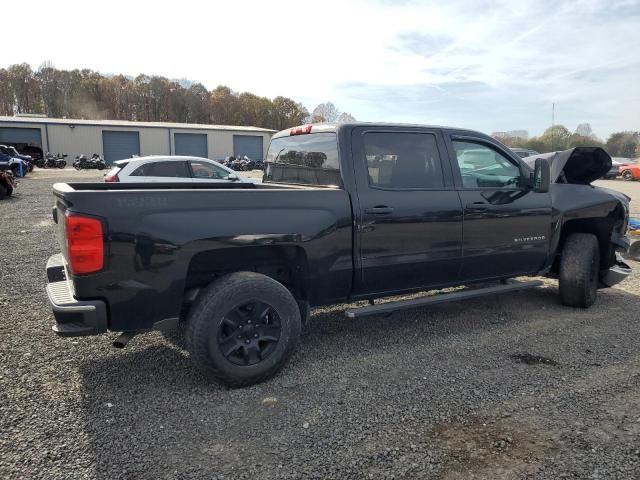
(506,387)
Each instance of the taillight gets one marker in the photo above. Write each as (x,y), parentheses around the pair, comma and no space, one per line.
(112,175)
(304,129)
(84,243)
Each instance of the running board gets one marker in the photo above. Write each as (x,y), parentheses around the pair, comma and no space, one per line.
(391,307)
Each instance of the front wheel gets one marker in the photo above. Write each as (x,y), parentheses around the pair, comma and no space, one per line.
(243,328)
(627,175)
(579,270)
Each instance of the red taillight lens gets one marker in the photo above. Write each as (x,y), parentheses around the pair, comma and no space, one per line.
(84,243)
(111,178)
(304,129)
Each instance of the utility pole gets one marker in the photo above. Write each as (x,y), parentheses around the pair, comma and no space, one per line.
(553,116)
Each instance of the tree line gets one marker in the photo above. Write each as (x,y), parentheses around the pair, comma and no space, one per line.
(90,95)
(558,137)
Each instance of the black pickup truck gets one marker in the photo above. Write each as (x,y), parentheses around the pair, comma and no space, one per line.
(345,212)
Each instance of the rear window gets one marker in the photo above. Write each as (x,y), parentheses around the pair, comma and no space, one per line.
(310,159)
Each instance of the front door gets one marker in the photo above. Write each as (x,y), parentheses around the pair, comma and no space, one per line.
(506,224)
(409,217)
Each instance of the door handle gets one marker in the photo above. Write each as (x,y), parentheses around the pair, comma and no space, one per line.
(379,210)
(477,207)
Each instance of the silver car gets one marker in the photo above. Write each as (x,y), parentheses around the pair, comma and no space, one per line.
(171,169)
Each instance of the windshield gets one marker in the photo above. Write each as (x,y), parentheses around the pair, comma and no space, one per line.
(310,159)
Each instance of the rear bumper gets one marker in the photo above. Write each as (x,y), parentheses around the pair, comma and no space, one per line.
(74,318)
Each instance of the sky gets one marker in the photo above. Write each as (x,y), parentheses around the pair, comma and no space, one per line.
(487,65)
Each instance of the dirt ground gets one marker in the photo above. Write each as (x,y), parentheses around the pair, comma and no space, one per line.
(506,387)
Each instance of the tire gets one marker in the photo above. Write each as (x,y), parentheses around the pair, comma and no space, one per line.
(3,192)
(627,175)
(579,270)
(634,251)
(229,312)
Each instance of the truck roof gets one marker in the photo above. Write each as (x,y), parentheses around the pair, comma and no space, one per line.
(334,127)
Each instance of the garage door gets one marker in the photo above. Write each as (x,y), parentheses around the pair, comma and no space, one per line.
(21,135)
(249,145)
(193,144)
(120,145)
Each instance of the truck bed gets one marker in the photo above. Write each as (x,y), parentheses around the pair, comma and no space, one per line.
(160,239)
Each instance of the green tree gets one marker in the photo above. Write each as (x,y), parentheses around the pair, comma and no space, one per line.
(623,144)
(287,113)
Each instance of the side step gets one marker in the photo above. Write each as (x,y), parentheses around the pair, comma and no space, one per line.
(390,307)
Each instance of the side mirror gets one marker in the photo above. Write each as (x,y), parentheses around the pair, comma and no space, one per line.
(541,176)
(233,177)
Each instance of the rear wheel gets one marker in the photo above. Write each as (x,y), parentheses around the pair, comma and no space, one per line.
(3,192)
(627,175)
(243,328)
(579,270)
(634,250)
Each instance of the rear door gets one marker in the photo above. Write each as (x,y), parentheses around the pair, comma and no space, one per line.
(506,224)
(160,171)
(409,217)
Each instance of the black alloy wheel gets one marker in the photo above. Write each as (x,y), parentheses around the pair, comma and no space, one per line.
(249,333)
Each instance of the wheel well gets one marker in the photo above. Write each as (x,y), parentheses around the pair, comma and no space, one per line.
(601,228)
(286,264)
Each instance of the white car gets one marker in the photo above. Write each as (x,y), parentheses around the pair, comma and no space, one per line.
(171,169)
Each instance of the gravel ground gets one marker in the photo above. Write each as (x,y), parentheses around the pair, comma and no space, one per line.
(506,387)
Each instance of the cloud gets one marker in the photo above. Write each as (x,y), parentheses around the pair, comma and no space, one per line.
(490,65)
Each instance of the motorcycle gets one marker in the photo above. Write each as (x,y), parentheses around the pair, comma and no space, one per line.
(53,161)
(95,162)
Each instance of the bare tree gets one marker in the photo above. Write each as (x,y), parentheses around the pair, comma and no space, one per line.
(326,111)
(346,118)
(584,130)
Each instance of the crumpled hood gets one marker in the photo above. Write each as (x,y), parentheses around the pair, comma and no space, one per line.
(581,165)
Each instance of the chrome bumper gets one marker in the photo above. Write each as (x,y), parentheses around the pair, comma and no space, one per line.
(74,317)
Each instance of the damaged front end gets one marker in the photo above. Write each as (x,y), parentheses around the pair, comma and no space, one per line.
(620,270)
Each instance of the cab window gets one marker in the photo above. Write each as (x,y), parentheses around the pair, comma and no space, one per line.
(401,160)
(483,167)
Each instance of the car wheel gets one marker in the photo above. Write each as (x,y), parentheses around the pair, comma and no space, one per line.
(243,328)
(627,175)
(634,250)
(579,270)
(3,192)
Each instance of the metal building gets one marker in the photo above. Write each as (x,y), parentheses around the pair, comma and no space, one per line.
(117,139)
